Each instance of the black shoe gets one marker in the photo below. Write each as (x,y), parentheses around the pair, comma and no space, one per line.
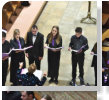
(51,80)
(72,83)
(82,82)
(56,81)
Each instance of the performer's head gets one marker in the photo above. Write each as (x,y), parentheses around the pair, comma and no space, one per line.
(34,29)
(54,34)
(16,34)
(3,37)
(78,31)
(55,31)
(46,97)
(31,68)
(27,95)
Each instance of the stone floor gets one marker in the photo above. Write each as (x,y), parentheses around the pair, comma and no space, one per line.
(67,15)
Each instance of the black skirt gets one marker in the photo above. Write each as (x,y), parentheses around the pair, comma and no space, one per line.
(53,63)
(94,61)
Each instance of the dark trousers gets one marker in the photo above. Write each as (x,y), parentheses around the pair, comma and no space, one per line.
(95,70)
(77,59)
(37,61)
(4,71)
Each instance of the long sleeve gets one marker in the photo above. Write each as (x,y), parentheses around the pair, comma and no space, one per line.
(47,40)
(94,49)
(85,43)
(11,44)
(71,42)
(19,75)
(42,47)
(60,44)
(40,83)
(27,41)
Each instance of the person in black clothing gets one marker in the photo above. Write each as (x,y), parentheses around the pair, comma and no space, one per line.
(94,61)
(35,39)
(11,95)
(29,79)
(77,42)
(54,40)
(5,49)
(16,56)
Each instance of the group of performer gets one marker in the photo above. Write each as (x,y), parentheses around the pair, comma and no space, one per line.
(24,95)
(78,45)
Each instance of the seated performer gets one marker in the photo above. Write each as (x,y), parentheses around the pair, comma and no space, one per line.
(29,79)
(78,42)
(5,49)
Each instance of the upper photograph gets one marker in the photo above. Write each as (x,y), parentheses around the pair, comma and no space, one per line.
(49,43)
(105,43)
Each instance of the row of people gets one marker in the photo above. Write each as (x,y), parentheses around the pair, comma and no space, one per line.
(35,54)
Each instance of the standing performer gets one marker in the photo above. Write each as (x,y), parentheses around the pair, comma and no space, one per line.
(54,40)
(94,61)
(80,43)
(16,56)
(5,49)
(35,39)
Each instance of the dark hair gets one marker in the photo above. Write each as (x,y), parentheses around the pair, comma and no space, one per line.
(47,97)
(34,26)
(30,93)
(78,30)
(3,34)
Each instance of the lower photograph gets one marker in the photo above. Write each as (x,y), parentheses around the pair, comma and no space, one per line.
(46,95)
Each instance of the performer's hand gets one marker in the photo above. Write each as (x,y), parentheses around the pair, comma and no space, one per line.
(21,65)
(69,48)
(27,55)
(80,51)
(18,51)
(54,50)
(5,58)
(45,74)
(45,45)
(92,53)
(40,58)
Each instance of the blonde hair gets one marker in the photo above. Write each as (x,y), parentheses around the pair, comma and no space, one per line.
(16,31)
(32,68)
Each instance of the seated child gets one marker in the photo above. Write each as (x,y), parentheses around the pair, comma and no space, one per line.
(29,79)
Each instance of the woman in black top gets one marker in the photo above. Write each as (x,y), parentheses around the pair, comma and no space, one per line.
(16,56)
(5,49)
(54,40)
(94,61)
